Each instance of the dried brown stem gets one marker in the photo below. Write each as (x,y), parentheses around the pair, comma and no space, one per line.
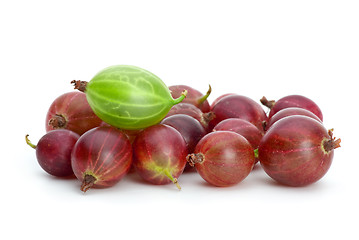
(88,182)
(332,143)
(207,117)
(79,85)
(268,103)
(58,121)
(194,158)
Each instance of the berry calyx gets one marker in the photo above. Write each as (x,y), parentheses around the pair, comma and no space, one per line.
(194,158)
(79,85)
(331,143)
(58,121)
(88,181)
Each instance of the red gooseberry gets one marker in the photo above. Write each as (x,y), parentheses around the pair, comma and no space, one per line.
(71,111)
(160,154)
(193,111)
(238,106)
(290,112)
(190,129)
(297,150)
(101,157)
(242,127)
(223,158)
(292,101)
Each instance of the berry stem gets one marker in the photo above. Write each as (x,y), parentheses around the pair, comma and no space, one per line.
(28,142)
(332,143)
(194,158)
(204,97)
(180,98)
(79,85)
(207,117)
(174,180)
(256,153)
(58,121)
(268,103)
(264,125)
(88,182)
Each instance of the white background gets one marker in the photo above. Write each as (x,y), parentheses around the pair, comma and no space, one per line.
(253,48)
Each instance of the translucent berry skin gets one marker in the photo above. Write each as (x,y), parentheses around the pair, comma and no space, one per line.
(242,127)
(159,151)
(71,111)
(129,97)
(104,153)
(290,112)
(227,158)
(53,152)
(238,106)
(296,101)
(293,153)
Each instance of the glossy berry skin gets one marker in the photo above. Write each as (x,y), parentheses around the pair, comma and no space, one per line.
(190,129)
(129,97)
(71,111)
(53,152)
(290,112)
(223,158)
(238,106)
(193,111)
(242,127)
(296,101)
(160,154)
(193,97)
(101,157)
(220,97)
(297,151)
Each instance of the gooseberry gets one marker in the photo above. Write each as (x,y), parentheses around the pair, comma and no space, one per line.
(190,129)
(290,112)
(71,111)
(101,157)
(220,97)
(297,150)
(128,97)
(238,106)
(292,101)
(242,127)
(160,154)
(223,158)
(193,111)
(53,151)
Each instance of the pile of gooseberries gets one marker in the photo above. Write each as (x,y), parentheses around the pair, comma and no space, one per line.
(161,131)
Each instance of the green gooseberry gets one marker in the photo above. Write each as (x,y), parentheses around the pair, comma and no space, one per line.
(128,97)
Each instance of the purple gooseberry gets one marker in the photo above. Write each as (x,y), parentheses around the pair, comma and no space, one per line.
(53,151)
